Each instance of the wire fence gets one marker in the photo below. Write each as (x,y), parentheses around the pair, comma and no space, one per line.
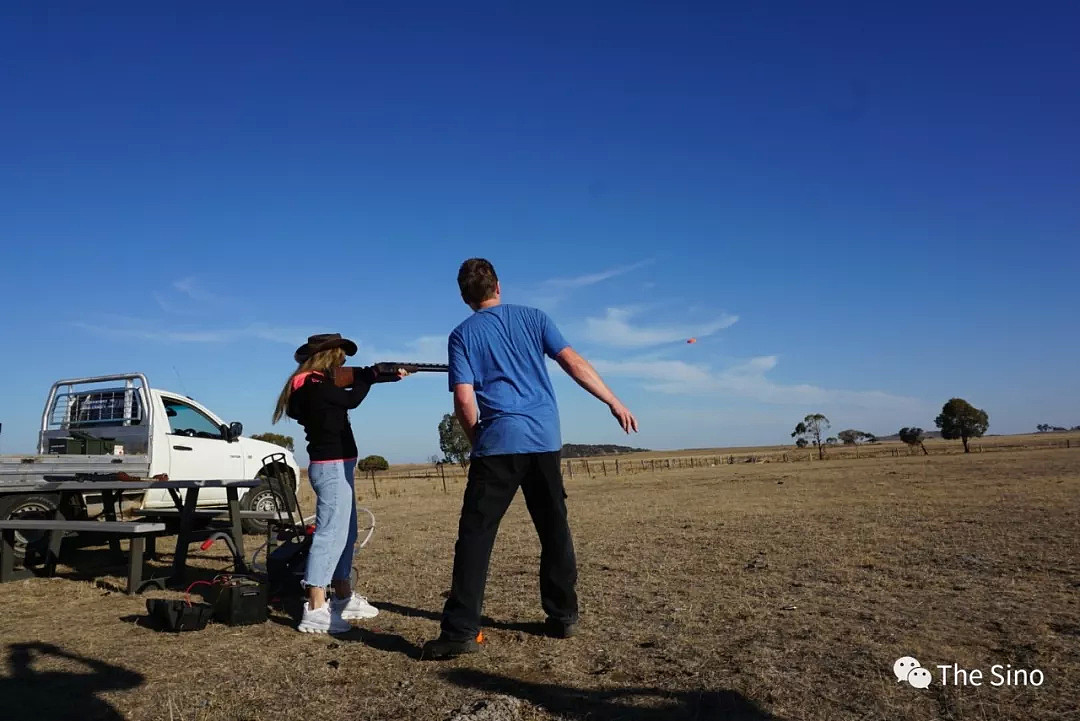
(616,465)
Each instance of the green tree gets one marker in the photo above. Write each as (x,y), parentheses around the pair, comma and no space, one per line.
(831,441)
(453,442)
(372,464)
(277,439)
(850,437)
(914,437)
(960,419)
(802,443)
(813,427)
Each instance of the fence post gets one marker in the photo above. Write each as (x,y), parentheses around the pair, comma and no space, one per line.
(603,464)
(642,465)
(669,464)
(442,472)
(570,468)
(373,484)
(616,466)
(587,469)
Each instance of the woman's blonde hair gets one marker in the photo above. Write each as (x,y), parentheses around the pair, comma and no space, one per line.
(322,361)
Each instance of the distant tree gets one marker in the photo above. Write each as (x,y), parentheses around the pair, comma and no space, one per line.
(1043,427)
(914,437)
(812,427)
(453,442)
(960,419)
(277,439)
(802,443)
(831,441)
(851,437)
(871,438)
(372,464)
(434,459)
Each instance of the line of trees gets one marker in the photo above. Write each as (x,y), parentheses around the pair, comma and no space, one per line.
(1047,428)
(958,420)
(277,439)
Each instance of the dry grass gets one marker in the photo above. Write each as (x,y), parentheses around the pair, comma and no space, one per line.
(771,591)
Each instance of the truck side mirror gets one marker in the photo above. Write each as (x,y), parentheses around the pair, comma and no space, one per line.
(236,429)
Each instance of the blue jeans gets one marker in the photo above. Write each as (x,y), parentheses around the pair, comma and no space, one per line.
(331,556)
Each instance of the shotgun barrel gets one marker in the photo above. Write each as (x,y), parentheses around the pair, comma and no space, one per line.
(343,377)
(419,367)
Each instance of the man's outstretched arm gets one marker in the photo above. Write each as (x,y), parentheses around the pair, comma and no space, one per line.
(465,410)
(586,376)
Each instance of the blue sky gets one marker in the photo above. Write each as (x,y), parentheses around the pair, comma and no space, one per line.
(860,211)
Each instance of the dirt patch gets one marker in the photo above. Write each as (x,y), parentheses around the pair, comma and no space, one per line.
(712,593)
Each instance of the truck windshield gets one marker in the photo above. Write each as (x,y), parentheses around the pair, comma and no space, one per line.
(184,420)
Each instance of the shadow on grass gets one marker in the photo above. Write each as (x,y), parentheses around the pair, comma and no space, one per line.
(56,695)
(288,615)
(596,705)
(533,628)
(108,570)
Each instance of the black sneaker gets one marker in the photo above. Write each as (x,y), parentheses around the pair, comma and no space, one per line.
(442,648)
(560,629)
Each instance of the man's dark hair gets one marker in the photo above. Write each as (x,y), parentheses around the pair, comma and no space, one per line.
(477,280)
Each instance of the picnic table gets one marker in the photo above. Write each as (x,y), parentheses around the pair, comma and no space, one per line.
(111,490)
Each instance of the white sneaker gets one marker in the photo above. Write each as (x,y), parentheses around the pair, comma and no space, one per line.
(354,608)
(322,620)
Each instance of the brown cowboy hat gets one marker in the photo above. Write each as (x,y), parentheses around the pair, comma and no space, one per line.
(323,341)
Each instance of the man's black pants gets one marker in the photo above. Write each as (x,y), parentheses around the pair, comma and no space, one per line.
(493,482)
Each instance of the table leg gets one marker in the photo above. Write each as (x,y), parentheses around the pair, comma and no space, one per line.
(135,569)
(108,499)
(187,520)
(237,528)
(7,555)
(56,538)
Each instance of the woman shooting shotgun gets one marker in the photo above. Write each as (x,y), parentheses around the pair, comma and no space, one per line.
(319,395)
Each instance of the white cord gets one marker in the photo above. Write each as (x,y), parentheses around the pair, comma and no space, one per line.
(261,568)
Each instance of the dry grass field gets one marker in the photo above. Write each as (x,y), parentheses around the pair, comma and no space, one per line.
(750,591)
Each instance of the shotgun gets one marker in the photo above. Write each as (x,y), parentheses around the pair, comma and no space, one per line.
(386,371)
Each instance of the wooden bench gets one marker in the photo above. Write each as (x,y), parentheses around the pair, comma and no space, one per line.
(136,532)
(209,514)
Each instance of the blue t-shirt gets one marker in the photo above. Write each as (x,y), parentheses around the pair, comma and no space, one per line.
(501,351)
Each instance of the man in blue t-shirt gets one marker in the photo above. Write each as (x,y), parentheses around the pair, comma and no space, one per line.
(504,400)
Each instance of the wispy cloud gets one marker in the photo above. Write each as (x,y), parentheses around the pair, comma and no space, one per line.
(191,288)
(553,291)
(142,330)
(190,298)
(425,349)
(615,329)
(747,380)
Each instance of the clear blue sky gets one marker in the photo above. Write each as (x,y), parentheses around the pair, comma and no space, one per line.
(856,209)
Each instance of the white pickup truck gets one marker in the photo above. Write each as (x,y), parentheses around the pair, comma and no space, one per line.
(110,424)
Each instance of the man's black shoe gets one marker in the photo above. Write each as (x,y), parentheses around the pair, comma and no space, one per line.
(560,629)
(442,648)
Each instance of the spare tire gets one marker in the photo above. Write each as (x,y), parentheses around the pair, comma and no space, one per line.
(29,506)
(263,498)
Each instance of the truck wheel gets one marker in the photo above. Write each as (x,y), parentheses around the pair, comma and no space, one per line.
(29,506)
(262,498)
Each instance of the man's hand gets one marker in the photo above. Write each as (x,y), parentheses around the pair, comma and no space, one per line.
(623,416)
